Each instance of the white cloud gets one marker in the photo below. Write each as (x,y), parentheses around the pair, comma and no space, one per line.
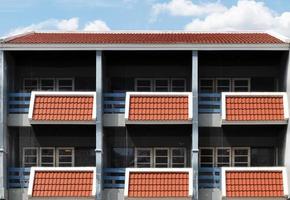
(245,15)
(97,25)
(186,8)
(71,24)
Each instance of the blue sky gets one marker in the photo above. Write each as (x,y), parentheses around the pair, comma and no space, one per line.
(18,16)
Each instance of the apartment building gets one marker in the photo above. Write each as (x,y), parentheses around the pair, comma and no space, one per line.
(144,115)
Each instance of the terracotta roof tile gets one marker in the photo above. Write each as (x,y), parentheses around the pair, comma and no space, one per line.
(239,108)
(254,184)
(158,184)
(63,108)
(158,108)
(63,184)
(145,38)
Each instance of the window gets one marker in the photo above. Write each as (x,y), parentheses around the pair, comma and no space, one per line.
(178,157)
(241,156)
(30,157)
(161,158)
(143,157)
(206,85)
(30,84)
(64,84)
(65,157)
(161,85)
(223,157)
(206,157)
(143,85)
(178,85)
(47,84)
(47,157)
(241,85)
(223,85)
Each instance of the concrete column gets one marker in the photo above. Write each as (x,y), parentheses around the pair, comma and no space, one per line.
(3,126)
(99,124)
(286,151)
(194,156)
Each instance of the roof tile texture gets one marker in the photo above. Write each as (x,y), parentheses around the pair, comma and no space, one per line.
(63,108)
(145,38)
(254,108)
(63,184)
(158,108)
(254,184)
(158,184)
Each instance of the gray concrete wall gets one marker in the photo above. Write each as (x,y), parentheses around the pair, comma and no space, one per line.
(210,194)
(113,194)
(18,194)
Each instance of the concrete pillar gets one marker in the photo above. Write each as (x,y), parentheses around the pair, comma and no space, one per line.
(3,126)
(99,124)
(286,151)
(194,157)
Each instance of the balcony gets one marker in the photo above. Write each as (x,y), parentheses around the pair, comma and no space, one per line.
(114,103)
(114,178)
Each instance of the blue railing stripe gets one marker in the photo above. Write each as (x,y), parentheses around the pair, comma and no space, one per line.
(115,102)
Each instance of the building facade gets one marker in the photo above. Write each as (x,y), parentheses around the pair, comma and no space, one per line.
(174,115)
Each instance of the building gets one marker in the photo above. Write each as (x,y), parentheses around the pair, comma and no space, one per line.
(144,115)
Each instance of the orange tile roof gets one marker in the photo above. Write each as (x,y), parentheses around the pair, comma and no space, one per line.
(254,184)
(255,108)
(62,184)
(63,108)
(158,108)
(144,38)
(158,184)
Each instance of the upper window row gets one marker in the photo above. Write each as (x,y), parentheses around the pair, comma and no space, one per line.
(48,84)
(224,84)
(160,84)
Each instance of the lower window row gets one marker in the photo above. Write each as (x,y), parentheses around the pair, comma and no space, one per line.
(237,156)
(48,156)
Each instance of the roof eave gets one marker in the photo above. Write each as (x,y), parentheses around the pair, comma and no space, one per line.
(29,47)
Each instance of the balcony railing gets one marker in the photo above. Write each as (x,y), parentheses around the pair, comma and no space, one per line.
(114,103)
(18,177)
(115,177)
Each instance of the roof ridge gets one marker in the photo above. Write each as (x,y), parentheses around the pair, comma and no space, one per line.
(9,38)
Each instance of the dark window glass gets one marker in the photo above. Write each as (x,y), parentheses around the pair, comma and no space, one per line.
(263,157)
(122,157)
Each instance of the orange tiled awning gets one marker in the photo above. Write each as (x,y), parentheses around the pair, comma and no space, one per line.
(52,182)
(158,183)
(158,107)
(257,108)
(254,182)
(62,107)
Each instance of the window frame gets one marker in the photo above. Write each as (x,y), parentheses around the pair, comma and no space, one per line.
(24,155)
(40,85)
(248,156)
(168,156)
(161,79)
(143,79)
(177,79)
(60,79)
(35,79)
(57,156)
(171,156)
(241,79)
(212,155)
(217,156)
(40,156)
(136,156)
(222,79)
